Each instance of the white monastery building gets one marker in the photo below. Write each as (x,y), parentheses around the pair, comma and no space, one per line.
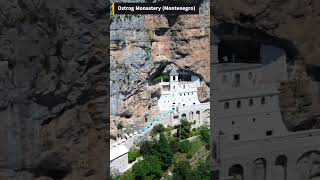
(250,140)
(179,96)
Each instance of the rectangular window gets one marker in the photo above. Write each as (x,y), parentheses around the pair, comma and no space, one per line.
(269,133)
(236,137)
(238,104)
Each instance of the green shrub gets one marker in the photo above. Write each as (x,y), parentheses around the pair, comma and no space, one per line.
(189,156)
(133,155)
(157,130)
(119,126)
(204,134)
(184,146)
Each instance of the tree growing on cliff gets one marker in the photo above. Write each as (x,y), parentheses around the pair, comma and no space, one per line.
(182,171)
(157,129)
(204,134)
(119,126)
(184,146)
(133,155)
(184,129)
(149,168)
(162,149)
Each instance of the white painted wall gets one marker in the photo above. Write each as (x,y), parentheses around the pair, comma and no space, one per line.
(120,163)
(253,85)
(180,94)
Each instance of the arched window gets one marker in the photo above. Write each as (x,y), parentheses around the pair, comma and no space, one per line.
(260,169)
(307,163)
(237,80)
(239,104)
(226,105)
(263,100)
(250,102)
(281,165)
(183,115)
(236,171)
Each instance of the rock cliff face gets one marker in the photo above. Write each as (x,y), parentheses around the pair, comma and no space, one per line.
(293,25)
(142,47)
(53,89)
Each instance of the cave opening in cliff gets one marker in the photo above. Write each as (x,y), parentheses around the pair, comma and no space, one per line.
(237,51)
(184,77)
(239,44)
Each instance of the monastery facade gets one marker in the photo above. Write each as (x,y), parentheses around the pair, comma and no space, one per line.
(249,138)
(179,98)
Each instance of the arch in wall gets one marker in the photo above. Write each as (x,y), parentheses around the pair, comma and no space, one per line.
(236,82)
(184,115)
(198,116)
(307,165)
(236,171)
(260,169)
(226,105)
(281,167)
(206,113)
(191,115)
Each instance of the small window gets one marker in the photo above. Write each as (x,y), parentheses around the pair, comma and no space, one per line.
(224,78)
(226,105)
(254,120)
(238,104)
(184,86)
(250,102)
(188,93)
(263,100)
(183,105)
(232,122)
(194,103)
(174,78)
(250,75)
(174,87)
(237,80)
(180,94)
(269,133)
(236,137)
